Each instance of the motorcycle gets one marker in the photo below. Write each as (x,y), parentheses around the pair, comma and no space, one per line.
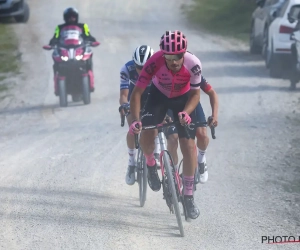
(294,16)
(73,73)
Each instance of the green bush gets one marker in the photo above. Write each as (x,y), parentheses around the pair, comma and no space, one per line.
(9,62)
(226,17)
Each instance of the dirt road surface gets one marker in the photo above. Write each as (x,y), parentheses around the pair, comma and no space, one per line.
(62,181)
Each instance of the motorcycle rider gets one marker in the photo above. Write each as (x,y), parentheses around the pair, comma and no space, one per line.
(71,17)
(129,74)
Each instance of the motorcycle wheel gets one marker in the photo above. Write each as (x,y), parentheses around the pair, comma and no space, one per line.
(63,97)
(294,78)
(86,94)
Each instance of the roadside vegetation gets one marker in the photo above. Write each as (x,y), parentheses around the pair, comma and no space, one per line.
(224,17)
(9,55)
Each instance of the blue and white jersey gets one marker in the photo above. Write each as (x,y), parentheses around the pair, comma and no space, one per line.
(128,78)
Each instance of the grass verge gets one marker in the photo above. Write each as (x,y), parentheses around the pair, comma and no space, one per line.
(9,55)
(225,17)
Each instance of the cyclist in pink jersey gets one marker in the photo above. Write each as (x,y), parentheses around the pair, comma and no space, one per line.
(176,76)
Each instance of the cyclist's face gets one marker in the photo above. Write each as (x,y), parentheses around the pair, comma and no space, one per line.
(138,68)
(138,71)
(174,62)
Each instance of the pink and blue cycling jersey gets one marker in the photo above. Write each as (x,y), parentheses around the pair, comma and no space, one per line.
(169,83)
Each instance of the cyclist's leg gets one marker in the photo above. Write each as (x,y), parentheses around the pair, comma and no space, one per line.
(202,143)
(148,112)
(130,174)
(157,149)
(153,113)
(187,147)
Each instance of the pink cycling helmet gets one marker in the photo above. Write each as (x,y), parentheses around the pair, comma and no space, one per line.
(173,42)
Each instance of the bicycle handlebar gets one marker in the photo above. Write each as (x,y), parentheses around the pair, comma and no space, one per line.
(163,126)
(126,111)
(136,137)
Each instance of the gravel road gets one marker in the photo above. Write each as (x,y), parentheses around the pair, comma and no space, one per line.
(63,169)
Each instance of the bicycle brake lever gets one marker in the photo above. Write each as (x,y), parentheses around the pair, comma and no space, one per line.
(136,138)
(186,129)
(212,128)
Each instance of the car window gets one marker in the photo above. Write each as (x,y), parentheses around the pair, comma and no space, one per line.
(295,11)
(283,8)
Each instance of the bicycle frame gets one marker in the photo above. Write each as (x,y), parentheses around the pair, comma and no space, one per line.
(172,186)
(164,149)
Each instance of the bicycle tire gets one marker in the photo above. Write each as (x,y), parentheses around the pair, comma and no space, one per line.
(171,185)
(142,177)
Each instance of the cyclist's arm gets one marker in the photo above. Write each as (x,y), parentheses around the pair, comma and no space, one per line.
(135,103)
(124,85)
(143,81)
(214,102)
(194,98)
(195,83)
(213,97)
(123,96)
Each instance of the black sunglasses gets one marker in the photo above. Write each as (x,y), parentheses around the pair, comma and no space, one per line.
(172,57)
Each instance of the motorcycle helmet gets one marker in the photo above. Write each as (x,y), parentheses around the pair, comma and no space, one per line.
(71,12)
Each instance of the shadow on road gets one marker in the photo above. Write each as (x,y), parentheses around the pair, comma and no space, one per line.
(38,108)
(85,209)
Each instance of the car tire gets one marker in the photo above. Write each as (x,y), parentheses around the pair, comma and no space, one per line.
(25,17)
(294,75)
(265,44)
(254,48)
(273,64)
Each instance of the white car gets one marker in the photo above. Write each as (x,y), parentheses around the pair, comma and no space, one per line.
(278,56)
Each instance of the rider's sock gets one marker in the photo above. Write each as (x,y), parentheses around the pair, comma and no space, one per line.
(157,146)
(188,182)
(132,154)
(201,155)
(150,160)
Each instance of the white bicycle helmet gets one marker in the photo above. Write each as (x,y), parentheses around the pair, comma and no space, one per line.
(142,54)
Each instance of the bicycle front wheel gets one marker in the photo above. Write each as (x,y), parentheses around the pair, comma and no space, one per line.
(142,177)
(171,186)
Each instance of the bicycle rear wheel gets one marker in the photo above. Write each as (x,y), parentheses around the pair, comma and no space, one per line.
(142,177)
(168,169)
